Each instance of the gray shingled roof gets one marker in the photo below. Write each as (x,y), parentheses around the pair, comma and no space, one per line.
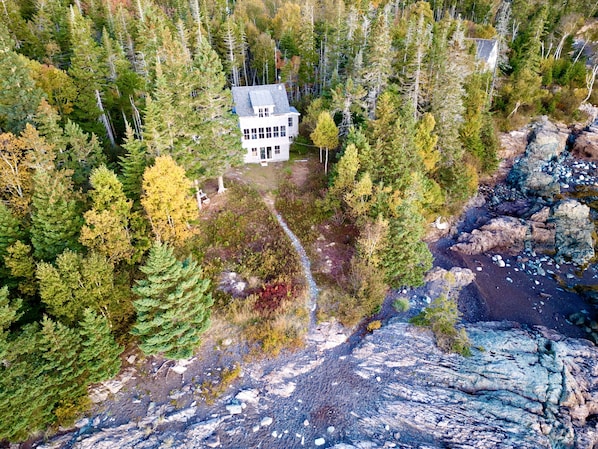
(266,95)
(484,48)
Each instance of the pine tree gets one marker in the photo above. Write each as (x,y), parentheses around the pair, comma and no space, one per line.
(173,308)
(406,258)
(89,72)
(75,283)
(100,353)
(132,165)
(21,266)
(9,314)
(378,60)
(19,97)
(81,153)
(166,200)
(10,229)
(26,404)
(59,349)
(56,217)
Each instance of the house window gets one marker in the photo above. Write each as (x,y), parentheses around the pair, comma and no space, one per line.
(268,133)
(246,134)
(276,149)
(266,112)
(260,112)
(254,133)
(290,122)
(276,131)
(283,131)
(254,152)
(261,133)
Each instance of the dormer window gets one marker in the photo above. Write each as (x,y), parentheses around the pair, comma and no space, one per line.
(264,112)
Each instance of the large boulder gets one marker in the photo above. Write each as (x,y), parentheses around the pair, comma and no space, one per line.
(574,230)
(546,143)
(506,233)
(519,389)
(586,145)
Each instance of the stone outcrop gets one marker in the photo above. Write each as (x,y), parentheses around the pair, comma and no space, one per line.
(546,143)
(574,230)
(524,389)
(508,234)
(520,389)
(502,232)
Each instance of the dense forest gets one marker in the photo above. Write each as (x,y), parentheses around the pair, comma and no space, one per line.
(114,112)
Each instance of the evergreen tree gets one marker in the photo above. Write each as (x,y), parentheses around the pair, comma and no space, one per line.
(63,372)
(173,308)
(56,217)
(81,153)
(21,266)
(348,100)
(26,404)
(100,354)
(89,72)
(132,165)
(10,229)
(19,97)
(76,283)
(9,314)
(406,258)
(189,116)
(378,60)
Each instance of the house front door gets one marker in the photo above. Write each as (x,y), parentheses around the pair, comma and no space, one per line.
(265,153)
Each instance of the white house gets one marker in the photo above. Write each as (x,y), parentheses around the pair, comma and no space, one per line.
(268,124)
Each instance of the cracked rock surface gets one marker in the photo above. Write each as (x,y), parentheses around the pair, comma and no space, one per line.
(520,389)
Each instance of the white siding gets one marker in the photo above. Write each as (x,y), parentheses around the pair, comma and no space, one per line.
(264,140)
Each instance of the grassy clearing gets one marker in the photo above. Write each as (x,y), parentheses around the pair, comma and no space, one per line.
(243,237)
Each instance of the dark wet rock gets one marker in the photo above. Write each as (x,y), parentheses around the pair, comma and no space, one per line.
(574,230)
(546,143)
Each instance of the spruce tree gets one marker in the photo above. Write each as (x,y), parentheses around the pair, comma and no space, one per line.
(10,230)
(9,313)
(100,353)
(19,96)
(406,258)
(21,266)
(56,217)
(173,308)
(132,165)
(76,283)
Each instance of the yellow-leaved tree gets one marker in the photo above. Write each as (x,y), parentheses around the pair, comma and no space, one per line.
(167,201)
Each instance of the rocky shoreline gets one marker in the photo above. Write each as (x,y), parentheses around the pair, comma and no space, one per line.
(520,246)
(529,237)
(520,389)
